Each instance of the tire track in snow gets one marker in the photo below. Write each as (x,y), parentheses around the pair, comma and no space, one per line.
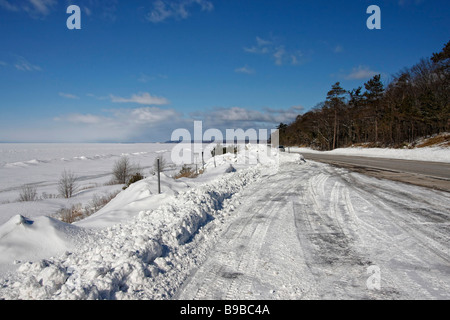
(410,255)
(390,209)
(232,271)
(243,287)
(237,263)
(224,265)
(341,227)
(331,254)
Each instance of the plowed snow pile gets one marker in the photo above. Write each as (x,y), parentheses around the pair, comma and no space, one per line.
(141,245)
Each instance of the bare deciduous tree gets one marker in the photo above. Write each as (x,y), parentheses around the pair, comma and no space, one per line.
(122,170)
(67,184)
(28,193)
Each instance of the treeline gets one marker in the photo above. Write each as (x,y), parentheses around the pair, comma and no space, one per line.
(414,104)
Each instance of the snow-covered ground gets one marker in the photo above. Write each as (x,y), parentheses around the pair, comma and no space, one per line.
(252,227)
(137,222)
(435,154)
(41,166)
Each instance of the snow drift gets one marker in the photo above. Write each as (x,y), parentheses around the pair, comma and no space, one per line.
(22,239)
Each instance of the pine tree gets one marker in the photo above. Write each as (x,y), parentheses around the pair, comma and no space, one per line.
(443,56)
(354,104)
(374,94)
(441,88)
(335,100)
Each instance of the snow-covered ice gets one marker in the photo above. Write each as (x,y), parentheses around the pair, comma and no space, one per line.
(41,166)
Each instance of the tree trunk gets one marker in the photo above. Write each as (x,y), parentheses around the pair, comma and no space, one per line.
(335,128)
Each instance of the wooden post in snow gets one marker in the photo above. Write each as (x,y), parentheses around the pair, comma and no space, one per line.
(159,177)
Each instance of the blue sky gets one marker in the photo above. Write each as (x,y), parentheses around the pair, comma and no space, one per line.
(137,70)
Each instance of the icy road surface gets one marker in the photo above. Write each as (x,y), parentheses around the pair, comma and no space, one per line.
(320,232)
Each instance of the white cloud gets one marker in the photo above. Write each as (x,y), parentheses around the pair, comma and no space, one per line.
(105,9)
(35,8)
(238,117)
(81,119)
(238,114)
(279,55)
(154,123)
(98,97)
(42,6)
(262,46)
(114,125)
(256,49)
(360,73)
(144,78)
(163,9)
(23,65)
(131,118)
(285,115)
(142,124)
(39,9)
(338,49)
(294,59)
(8,5)
(245,69)
(68,95)
(278,52)
(88,11)
(262,42)
(147,115)
(141,98)
(160,12)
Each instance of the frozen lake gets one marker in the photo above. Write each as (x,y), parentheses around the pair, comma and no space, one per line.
(42,165)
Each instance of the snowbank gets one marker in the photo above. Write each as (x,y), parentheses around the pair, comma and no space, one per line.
(435,154)
(142,195)
(136,237)
(22,239)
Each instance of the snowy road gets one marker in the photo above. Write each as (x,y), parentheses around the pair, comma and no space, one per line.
(433,169)
(319,232)
(431,174)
